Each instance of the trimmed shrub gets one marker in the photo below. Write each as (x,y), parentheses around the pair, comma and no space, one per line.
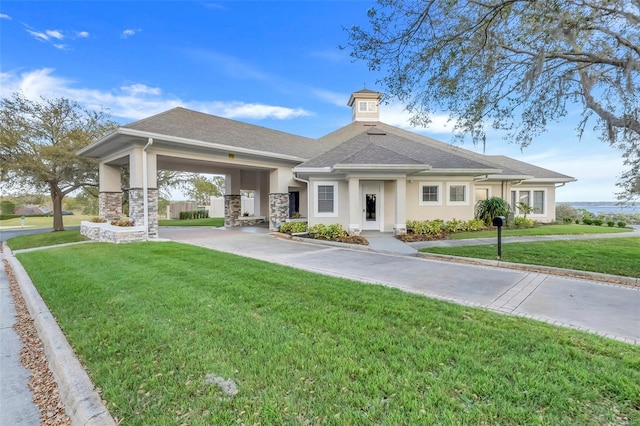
(622,224)
(523,222)
(194,214)
(597,222)
(293,227)
(568,220)
(611,224)
(324,232)
(577,221)
(587,221)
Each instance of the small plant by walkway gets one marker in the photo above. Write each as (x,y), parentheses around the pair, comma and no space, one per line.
(177,334)
(616,256)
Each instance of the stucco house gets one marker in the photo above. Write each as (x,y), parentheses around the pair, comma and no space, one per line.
(367,175)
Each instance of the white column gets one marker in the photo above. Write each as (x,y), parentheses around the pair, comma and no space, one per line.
(355,207)
(400,225)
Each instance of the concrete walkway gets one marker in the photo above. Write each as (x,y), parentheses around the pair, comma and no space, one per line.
(16,405)
(605,309)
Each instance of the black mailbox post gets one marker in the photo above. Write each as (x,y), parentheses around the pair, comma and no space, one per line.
(499,221)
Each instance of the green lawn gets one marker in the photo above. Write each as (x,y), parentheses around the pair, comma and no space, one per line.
(151,321)
(571,229)
(46,222)
(617,256)
(44,239)
(212,221)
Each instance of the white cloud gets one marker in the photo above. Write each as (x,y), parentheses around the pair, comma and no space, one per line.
(241,110)
(54,34)
(334,98)
(38,35)
(4,16)
(82,34)
(130,32)
(141,89)
(61,46)
(132,102)
(396,115)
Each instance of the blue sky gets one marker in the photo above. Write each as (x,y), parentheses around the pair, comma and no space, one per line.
(274,64)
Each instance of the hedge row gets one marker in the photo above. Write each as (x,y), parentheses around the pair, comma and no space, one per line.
(194,214)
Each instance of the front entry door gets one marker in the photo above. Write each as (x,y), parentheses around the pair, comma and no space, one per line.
(371,206)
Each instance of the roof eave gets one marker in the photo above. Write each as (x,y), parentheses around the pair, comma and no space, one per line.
(189,142)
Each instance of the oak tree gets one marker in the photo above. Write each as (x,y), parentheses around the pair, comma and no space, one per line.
(513,65)
(38,145)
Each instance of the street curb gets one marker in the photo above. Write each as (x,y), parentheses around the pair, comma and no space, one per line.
(82,403)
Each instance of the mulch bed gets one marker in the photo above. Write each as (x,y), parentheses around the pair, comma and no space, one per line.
(46,394)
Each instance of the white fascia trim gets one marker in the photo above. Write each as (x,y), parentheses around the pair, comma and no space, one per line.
(510,177)
(461,171)
(312,170)
(196,143)
(550,180)
(99,142)
(390,167)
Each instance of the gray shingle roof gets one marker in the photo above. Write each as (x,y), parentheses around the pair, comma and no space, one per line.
(511,164)
(386,144)
(185,123)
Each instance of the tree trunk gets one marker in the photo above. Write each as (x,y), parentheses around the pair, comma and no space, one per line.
(56,197)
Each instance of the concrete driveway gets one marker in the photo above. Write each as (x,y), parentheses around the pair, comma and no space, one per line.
(608,310)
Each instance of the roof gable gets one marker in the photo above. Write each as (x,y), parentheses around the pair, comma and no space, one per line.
(184,123)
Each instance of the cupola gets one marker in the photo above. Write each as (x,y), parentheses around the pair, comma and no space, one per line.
(365,105)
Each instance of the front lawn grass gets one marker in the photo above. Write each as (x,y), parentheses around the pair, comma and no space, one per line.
(45,222)
(210,221)
(571,229)
(44,239)
(151,321)
(617,256)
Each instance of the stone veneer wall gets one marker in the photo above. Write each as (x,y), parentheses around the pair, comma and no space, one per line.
(278,210)
(232,210)
(106,232)
(136,209)
(110,205)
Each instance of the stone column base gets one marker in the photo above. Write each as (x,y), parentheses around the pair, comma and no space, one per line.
(136,209)
(399,229)
(110,205)
(278,210)
(232,210)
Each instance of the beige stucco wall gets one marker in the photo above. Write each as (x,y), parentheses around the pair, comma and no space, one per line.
(444,210)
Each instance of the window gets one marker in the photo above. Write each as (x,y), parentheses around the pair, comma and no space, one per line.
(367,106)
(430,194)
(538,202)
(482,193)
(326,199)
(525,198)
(457,194)
(534,198)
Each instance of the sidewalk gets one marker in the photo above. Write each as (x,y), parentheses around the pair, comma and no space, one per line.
(16,405)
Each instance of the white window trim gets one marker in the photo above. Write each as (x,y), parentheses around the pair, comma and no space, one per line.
(489,192)
(466,194)
(367,104)
(430,203)
(545,201)
(335,198)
